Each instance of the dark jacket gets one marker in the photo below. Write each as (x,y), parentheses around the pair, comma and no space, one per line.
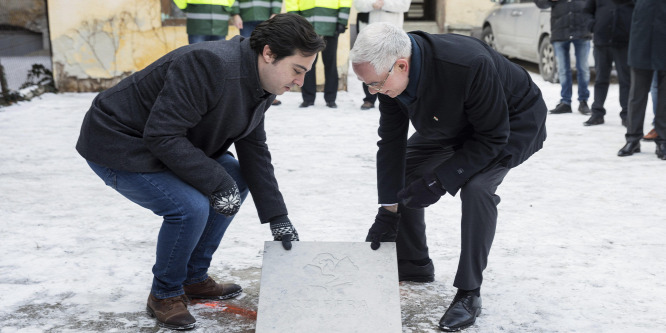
(567,20)
(469,97)
(647,44)
(183,111)
(610,21)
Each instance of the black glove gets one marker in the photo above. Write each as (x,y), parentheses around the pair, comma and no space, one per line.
(385,228)
(340,28)
(282,230)
(226,202)
(422,193)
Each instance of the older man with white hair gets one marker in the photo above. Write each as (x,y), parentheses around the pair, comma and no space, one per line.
(476,116)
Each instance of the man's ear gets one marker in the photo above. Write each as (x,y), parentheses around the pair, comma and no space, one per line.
(267,54)
(402,64)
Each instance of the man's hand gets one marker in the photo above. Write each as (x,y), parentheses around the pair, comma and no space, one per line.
(227,201)
(385,228)
(282,230)
(422,192)
(340,28)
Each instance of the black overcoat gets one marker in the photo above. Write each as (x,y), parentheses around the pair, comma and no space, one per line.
(647,44)
(468,97)
(182,112)
(567,20)
(610,21)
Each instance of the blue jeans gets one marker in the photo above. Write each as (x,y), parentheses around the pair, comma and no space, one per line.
(248,27)
(203,38)
(191,230)
(582,51)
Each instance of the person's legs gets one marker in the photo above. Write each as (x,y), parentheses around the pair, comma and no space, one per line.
(411,245)
(216,225)
(478,222)
(371,98)
(603,63)
(309,88)
(654,93)
(620,55)
(192,39)
(638,95)
(329,57)
(582,52)
(185,211)
(248,27)
(660,115)
(564,70)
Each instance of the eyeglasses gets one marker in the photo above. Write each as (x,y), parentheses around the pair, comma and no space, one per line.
(381,85)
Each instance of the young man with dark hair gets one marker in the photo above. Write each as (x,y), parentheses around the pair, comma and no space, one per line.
(161,139)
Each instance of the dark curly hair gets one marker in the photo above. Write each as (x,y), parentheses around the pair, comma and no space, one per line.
(284,34)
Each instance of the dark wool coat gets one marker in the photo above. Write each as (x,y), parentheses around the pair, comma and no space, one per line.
(183,111)
(567,20)
(610,21)
(647,44)
(469,97)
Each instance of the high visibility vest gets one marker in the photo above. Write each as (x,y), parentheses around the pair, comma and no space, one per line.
(208,17)
(324,15)
(259,10)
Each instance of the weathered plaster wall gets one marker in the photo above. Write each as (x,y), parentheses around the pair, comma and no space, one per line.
(463,14)
(96,43)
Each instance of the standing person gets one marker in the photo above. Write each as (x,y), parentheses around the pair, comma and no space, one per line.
(161,139)
(647,46)
(568,26)
(611,22)
(390,11)
(652,134)
(486,117)
(253,12)
(207,20)
(329,19)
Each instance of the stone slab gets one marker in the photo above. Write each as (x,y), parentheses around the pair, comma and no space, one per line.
(329,287)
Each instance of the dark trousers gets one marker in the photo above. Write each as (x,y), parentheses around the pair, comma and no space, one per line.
(641,80)
(604,57)
(368,96)
(479,213)
(329,56)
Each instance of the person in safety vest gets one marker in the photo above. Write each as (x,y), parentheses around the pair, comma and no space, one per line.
(329,18)
(208,20)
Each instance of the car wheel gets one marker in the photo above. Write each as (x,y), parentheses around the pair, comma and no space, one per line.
(488,37)
(547,61)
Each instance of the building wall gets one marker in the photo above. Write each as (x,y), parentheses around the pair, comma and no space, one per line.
(96,43)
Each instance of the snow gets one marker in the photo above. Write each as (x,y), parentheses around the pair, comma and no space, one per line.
(579,246)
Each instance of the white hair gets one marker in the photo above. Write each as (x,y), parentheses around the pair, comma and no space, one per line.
(381,44)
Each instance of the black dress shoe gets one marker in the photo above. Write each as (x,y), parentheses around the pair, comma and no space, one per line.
(408,270)
(332,105)
(583,108)
(561,108)
(594,120)
(629,149)
(661,150)
(461,313)
(306,104)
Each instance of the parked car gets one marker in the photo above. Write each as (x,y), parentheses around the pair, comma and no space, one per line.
(519,29)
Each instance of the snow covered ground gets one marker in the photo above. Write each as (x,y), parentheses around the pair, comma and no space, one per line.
(580,243)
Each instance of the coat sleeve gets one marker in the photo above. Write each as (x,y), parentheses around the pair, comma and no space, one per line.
(393,129)
(188,93)
(258,172)
(344,7)
(487,112)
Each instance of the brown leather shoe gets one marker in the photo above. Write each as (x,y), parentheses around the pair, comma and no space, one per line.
(208,288)
(652,134)
(171,312)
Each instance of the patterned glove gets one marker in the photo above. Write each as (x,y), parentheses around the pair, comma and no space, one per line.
(385,228)
(226,202)
(422,192)
(282,230)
